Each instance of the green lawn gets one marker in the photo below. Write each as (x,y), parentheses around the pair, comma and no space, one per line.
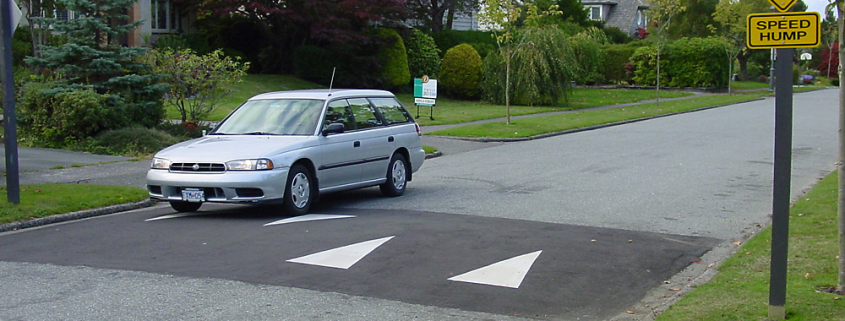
(532,126)
(451,111)
(50,199)
(447,111)
(741,289)
(250,86)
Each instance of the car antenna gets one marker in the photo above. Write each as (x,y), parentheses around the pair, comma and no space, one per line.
(331,82)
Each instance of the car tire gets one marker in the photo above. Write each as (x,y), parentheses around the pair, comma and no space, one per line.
(183,207)
(397,177)
(298,191)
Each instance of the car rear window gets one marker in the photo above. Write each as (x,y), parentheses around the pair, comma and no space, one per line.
(365,116)
(392,110)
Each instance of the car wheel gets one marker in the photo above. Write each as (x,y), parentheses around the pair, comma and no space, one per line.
(183,207)
(396,177)
(298,191)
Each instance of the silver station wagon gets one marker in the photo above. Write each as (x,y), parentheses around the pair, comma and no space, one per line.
(291,147)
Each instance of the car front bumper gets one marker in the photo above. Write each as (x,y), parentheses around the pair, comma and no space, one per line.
(227,187)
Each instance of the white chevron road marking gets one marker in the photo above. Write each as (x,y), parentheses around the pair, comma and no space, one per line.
(342,257)
(308,218)
(508,273)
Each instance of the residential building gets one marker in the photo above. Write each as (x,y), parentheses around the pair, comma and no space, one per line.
(160,17)
(627,15)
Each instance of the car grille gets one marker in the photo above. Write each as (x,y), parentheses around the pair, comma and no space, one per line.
(198,167)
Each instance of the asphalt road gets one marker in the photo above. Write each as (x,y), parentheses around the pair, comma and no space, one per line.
(590,223)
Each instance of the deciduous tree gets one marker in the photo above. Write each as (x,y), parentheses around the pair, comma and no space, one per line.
(438,15)
(197,82)
(290,23)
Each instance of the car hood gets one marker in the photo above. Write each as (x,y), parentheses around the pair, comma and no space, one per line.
(219,149)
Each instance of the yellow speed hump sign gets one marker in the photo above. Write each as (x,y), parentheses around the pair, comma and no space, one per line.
(783,30)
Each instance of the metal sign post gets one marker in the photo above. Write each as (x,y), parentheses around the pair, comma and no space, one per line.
(8,82)
(784,31)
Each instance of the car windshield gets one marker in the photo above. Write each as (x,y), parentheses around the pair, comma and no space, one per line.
(273,117)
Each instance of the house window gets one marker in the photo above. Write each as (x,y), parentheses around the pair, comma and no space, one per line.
(642,17)
(164,18)
(64,15)
(594,12)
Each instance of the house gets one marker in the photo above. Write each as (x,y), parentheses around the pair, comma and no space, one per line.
(159,17)
(627,15)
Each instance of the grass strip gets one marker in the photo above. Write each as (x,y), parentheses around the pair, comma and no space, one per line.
(49,199)
(528,127)
(740,291)
(451,111)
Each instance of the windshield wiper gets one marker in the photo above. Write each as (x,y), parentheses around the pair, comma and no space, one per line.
(258,133)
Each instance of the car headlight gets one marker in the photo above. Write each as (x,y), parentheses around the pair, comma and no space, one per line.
(249,164)
(160,163)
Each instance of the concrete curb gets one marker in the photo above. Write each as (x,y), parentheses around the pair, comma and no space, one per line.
(14,226)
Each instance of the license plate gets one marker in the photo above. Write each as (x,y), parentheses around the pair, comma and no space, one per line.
(195,195)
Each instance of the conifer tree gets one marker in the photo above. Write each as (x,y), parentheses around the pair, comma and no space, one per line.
(92,58)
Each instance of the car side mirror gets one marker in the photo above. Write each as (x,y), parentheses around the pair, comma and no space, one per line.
(333,128)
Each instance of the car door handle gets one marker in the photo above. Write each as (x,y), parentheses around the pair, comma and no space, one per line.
(356,144)
(390,139)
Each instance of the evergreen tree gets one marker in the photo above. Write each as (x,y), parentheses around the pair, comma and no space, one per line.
(93,58)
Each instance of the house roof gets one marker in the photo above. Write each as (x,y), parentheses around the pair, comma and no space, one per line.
(620,13)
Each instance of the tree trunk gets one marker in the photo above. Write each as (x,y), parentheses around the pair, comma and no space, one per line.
(657,91)
(507,87)
(841,164)
(451,16)
(742,59)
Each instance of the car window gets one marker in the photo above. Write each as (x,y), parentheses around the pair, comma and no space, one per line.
(273,117)
(392,110)
(365,116)
(339,111)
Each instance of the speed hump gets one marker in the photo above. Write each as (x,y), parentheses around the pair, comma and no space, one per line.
(783,30)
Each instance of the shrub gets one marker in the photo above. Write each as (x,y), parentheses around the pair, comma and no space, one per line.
(423,55)
(197,43)
(131,141)
(617,36)
(540,71)
(644,63)
(393,57)
(53,116)
(452,38)
(460,72)
(314,64)
(688,62)
(586,46)
(615,59)
(697,62)
(830,61)
(483,49)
